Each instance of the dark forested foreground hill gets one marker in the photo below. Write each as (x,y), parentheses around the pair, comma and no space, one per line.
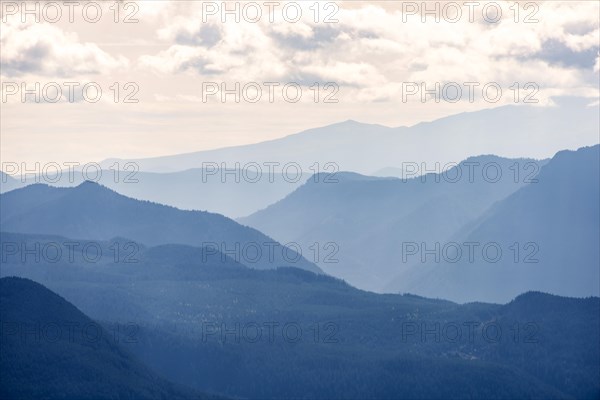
(289,333)
(51,350)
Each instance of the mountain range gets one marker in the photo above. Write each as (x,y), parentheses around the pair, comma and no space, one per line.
(368,219)
(383,229)
(290,333)
(238,181)
(512,131)
(93,212)
(233,192)
(396,265)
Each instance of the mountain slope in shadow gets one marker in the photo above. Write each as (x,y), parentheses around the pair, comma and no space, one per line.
(50,349)
(548,233)
(361,223)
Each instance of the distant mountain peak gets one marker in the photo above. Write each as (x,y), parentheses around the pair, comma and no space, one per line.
(89,184)
(94,187)
(571,152)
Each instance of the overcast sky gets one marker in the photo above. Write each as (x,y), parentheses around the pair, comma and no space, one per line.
(176,50)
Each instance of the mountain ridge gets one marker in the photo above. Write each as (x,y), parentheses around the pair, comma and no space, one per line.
(92,211)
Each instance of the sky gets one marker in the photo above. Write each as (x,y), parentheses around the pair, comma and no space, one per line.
(153,70)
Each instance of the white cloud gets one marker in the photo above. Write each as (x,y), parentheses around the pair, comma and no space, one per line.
(44,49)
(372,50)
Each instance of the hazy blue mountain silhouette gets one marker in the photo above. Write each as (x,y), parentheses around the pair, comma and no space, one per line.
(217,191)
(7,182)
(369,218)
(50,349)
(366,148)
(361,350)
(91,211)
(559,214)
(170,262)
